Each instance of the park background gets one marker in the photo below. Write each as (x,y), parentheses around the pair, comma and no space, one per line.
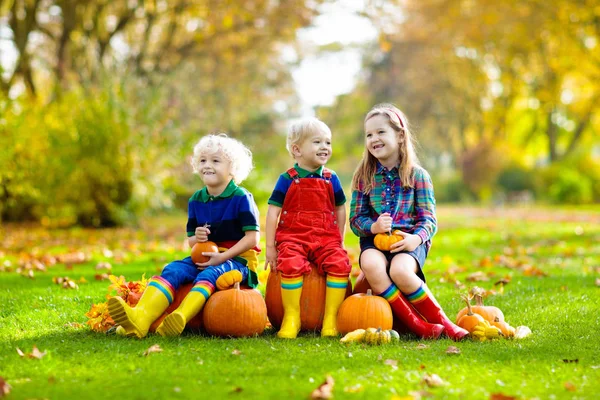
(101,103)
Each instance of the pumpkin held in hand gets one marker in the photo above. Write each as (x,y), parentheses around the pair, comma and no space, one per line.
(312,300)
(202,247)
(384,241)
(235,312)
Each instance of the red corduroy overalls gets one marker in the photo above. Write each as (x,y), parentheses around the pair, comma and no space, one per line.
(308,231)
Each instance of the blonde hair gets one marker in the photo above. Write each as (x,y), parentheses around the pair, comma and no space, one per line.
(300,130)
(364,176)
(233,150)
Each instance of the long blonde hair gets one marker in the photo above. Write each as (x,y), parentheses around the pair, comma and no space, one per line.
(364,176)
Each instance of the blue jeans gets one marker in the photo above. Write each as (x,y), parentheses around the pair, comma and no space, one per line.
(185,271)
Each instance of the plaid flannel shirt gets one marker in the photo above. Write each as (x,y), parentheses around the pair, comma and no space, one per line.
(412,209)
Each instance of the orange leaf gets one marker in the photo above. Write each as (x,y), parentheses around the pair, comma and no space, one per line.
(4,387)
(153,349)
(325,390)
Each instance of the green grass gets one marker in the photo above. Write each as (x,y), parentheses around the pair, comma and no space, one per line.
(562,310)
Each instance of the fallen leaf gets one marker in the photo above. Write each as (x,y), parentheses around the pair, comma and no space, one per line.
(236,352)
(392,363)
(418,395)
(422,346)
(4,387)
(35,353)
(478,277)
(522,332)
(570,387)
(452,350)
(237,389)
(575,360)
(433,380)
(103,265)
(325,390)
(501,396)
(153,349)
(597,281)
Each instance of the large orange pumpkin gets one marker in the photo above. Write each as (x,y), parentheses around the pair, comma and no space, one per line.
(383,241)
(362,311)
(235,312)
(361,286)
(195,323)
(202,247)
(312,301)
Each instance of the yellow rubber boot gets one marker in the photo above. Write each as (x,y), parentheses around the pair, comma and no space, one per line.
(136,321)
(175,322)
(291,290)
(334,296)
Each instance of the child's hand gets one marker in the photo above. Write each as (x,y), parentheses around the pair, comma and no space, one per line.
(271,258)
(202,233)
(383,224)
(215,258)
(409,243)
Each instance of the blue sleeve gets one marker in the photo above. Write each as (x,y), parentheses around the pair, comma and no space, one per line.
(338,191)
(281,189)
(248,213)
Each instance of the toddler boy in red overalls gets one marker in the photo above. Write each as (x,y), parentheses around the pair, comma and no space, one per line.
(305,223)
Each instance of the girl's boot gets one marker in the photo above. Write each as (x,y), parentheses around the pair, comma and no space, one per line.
(135,321)
(424,302)
(174,323)
(291,290)
(335,293)
(403,310)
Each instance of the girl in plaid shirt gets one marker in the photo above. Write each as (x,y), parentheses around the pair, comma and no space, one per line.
(390,191)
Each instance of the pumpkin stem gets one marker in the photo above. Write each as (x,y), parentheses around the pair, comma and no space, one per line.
(479,299)
(467,300)
(236,286)
(369,292)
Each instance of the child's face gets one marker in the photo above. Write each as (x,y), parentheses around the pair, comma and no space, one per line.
(215,170)
(381,139)
(314,151)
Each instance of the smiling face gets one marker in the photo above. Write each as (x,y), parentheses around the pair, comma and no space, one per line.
(215,171)
(381,140)
(314,151)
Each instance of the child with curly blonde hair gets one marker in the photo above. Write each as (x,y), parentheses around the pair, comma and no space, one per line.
(222,212)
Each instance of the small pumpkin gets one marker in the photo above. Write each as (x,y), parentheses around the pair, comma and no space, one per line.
(469,320)
(489,313)
(202,247)
(504,327)
(371,336)
(312,300)
(235,312)
(384,241)
(363,310)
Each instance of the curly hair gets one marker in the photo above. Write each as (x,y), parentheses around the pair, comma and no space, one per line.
(300,130)
(233,150)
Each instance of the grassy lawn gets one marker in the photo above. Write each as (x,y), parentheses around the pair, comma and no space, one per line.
(551,255)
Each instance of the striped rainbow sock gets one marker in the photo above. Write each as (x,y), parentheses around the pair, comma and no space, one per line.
(337,282)
(391,294)
(204,287)
(292,283)
(417,296)
(164,286)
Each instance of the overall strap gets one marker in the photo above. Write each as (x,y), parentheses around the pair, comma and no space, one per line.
(293,173)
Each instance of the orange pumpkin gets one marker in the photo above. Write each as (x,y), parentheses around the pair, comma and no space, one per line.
(361,286)
(312,300)
(235,312)
(202,247)
(470,320)
(195,323)
(490,313)
(362,311)
(383,241)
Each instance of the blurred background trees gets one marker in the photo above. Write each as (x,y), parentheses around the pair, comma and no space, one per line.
(102,101)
